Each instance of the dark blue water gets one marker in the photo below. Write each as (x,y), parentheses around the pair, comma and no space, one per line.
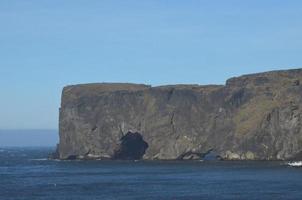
(24,176)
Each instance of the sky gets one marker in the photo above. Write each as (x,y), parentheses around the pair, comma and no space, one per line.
(28,138)
(45,45)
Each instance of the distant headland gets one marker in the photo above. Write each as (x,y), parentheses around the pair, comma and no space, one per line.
(252,117)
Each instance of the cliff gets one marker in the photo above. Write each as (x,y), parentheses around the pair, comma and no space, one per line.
(252,117)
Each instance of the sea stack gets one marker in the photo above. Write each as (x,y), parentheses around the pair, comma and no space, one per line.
(252,117)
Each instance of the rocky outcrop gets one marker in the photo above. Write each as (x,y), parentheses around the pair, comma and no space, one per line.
(252,117)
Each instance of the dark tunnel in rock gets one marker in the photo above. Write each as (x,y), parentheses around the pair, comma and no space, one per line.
(132,147)
(211,155)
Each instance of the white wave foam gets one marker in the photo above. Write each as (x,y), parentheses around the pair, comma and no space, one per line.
(295,164)
(39,159)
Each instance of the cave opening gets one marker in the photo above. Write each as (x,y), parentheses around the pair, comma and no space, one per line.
(211,155)
(132,147)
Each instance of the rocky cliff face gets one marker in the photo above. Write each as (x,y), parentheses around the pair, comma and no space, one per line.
(252,117)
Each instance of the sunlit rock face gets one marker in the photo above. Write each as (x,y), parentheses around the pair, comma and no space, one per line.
(252,117)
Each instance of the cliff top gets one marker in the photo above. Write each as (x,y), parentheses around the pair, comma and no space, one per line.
(272,78)
(264,77)
(110,87)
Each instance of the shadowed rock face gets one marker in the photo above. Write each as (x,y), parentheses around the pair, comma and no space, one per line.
(252,117)
(132,147)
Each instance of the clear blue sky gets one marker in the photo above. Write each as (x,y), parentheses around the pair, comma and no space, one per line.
(45,45)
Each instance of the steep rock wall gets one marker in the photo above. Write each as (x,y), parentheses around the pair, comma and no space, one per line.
(252,117)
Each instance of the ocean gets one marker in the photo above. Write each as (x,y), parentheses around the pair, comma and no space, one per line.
(25,173)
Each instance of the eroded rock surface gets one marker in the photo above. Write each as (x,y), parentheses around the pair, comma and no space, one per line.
(252,117)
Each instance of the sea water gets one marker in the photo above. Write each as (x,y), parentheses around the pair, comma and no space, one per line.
(25,173)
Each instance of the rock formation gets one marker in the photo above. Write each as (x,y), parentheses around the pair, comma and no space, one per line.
(252,117)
